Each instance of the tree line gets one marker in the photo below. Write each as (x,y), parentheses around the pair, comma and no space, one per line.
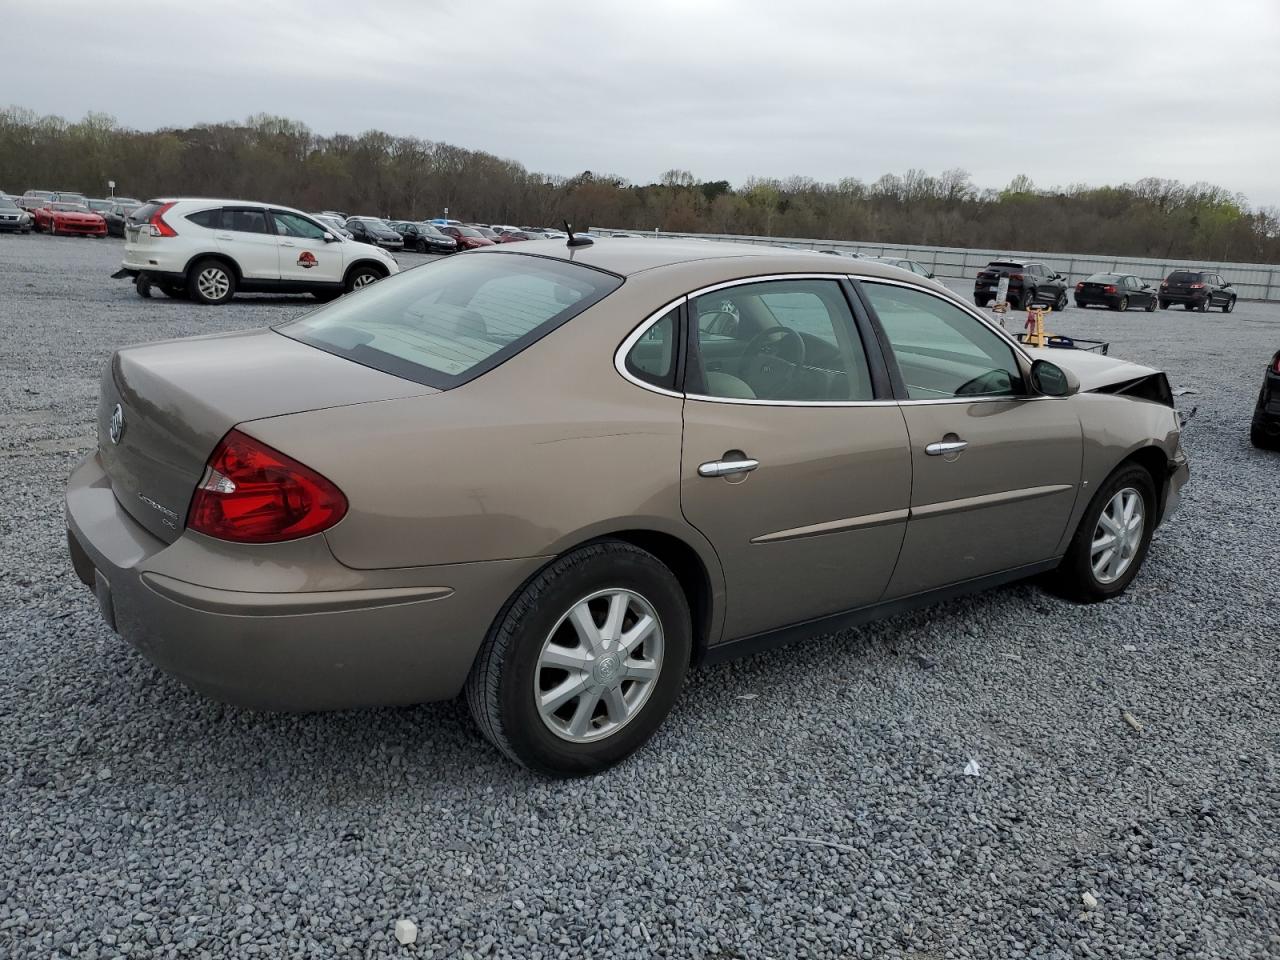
(281,160)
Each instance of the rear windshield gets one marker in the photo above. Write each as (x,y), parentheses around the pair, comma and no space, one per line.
(1185,276)
(451,321)
(1103,278)
(469,232)
(1003,265)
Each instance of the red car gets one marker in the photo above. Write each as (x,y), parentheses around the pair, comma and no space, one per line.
(468,237)
(69,218)
(513,236)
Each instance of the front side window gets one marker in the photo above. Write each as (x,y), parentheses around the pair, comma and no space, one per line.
(784,340)
(943,351)
(293,225)
(652,358)
(452,321)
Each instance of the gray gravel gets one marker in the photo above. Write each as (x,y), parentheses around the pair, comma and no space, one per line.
(139,819)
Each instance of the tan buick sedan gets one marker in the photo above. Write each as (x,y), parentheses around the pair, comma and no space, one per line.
(554,476)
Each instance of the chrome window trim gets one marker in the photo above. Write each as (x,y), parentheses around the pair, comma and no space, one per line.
(620,355)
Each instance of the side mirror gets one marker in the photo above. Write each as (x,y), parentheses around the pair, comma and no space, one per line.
(1226,286)
(330,238)
(931,276)
(1050,380)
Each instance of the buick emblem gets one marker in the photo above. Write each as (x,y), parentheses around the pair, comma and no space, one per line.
(115,428)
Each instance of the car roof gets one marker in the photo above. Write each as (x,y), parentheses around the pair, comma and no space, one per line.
(627,256)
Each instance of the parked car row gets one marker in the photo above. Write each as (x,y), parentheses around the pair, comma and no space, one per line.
(1032,283)
(65,212)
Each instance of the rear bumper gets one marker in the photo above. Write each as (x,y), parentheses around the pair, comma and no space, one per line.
(1182,296)
(293,630)
(1096,300)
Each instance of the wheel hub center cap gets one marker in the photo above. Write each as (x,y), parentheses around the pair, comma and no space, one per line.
(606,669)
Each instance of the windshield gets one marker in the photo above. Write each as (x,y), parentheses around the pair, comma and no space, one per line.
(449,322)
(430,231)
(99,204)
(69,207)
(7,204)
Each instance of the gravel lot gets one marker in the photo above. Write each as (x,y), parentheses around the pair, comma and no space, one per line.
(808,802)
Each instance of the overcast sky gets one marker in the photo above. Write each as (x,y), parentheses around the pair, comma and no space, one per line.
(1077,92)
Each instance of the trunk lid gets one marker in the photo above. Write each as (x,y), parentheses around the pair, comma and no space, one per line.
(174,401)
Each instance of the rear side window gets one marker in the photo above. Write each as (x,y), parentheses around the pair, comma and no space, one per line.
(212,219)
(451,321)
(244,221)
(652,358)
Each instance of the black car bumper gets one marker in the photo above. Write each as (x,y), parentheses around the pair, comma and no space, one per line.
(1097,300)
(1184,296)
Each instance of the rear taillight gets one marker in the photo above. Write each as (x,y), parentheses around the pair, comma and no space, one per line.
(251,493)
(1080,286)
(1275,364)
(1109,288)
(1015,276)
(1197,286)
(1164,284)
(157,226)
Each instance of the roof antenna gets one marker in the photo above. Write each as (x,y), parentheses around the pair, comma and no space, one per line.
(576,241)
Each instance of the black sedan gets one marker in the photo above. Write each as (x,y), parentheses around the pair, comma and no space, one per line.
(1264,432)
(424,238)
(1116,291)
(117,214)
(374,231)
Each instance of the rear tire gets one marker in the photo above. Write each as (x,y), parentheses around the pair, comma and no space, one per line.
(1028,299)
(1164,304)
(1122,305)
(1188,306)
(1205,304)
(174,291)
(512,671)
(981,301)
(211,282)
(1083,575)
(1260,438)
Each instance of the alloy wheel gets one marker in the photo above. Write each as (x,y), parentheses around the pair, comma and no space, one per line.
(213,283)
(1118,535)
(362,280)
(599,665)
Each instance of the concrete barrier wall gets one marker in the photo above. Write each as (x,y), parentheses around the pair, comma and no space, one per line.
(1252,281)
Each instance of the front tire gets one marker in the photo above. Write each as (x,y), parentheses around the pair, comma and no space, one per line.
(1205,304)
(211,282)
(1061,303)
(1111,543)
(584,663)
(361,277)
(1229,305)
(1151,305)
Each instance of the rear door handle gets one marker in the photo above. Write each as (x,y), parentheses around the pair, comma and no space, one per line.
(941,448)
(727,468)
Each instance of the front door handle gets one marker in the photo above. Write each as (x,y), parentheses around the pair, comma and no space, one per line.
(727,468)
(942,448)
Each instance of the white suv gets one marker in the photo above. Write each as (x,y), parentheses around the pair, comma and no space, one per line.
(209,249)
